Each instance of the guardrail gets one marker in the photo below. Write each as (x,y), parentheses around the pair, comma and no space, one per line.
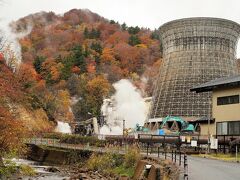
(174,156)
(177,157)
(56,143)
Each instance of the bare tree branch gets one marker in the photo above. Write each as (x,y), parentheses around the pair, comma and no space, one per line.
(3,42)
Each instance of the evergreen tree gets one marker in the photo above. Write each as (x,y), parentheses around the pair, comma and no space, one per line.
(124,27)
(94,34)
(79,57)
(97,47)
(134,40)
(112,22)
(133,30)
(97,60)
(67,67)
(98,33)
(86,33)
(155,35)
(38,63)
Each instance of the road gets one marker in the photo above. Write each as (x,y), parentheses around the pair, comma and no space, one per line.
(209,169)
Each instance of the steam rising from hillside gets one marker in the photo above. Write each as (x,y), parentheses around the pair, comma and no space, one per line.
(11,45)
(126,104)
(63,127)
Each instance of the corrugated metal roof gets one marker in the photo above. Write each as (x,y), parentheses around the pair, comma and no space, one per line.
(209,86)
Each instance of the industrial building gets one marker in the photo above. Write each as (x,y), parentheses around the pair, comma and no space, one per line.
(195,51)
(225,106)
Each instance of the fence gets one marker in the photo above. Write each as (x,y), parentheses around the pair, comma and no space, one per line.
(56,143)
(227,141)
(184,141)
(175,156)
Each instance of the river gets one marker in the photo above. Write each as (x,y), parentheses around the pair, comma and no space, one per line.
(42,171)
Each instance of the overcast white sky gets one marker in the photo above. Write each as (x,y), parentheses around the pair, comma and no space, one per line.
(144,13)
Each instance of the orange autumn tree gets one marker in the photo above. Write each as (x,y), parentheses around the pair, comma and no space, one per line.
(108,55)
(97,88)
(12,131)
(27,75)
(51,70)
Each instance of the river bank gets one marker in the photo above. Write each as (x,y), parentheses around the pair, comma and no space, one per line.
(68,164)
(59,163)
(16,169)
(57,172)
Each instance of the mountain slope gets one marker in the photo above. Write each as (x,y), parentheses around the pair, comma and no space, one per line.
(70,53)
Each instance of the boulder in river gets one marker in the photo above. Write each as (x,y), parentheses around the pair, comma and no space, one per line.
(52,169)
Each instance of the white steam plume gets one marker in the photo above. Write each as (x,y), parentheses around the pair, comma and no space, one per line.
(11,41)
(63,127)
(130,106)
(126,104)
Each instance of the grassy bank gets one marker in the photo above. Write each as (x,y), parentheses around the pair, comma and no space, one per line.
(220,156)
(119,165)
(11,169)
(111,163)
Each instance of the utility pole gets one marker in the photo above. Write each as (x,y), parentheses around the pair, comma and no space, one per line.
(208,151)
(124,135)
(236,152)
(123,127)
(209,118)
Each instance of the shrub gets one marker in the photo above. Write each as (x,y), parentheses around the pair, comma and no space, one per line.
(98,162)
(8,169)
(76,139)
(131,157)
(124,171)
(27,170)
(52,135)
(115,163)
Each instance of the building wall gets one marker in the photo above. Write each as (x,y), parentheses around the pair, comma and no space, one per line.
(229,112)
(204,129)
(222,113)
(195,51)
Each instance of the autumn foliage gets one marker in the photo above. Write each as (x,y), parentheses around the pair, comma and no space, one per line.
(70,61)
(12,130)
(68,65)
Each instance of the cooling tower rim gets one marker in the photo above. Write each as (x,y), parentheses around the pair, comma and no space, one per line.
(195,21)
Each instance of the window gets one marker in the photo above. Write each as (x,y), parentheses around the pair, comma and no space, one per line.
(222,128)
(234,128)
(228,128)
(228,100)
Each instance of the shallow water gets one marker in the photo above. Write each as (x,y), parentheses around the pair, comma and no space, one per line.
(43,174)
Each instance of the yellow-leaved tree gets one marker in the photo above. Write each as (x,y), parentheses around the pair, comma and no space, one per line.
(98,88)
(63,111)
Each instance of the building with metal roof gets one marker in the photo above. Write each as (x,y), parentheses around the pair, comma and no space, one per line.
(225,106)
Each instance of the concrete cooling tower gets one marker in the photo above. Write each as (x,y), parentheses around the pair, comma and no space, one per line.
(195,50)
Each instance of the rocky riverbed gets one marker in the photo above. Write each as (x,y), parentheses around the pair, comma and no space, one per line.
(68,172)
(88,174)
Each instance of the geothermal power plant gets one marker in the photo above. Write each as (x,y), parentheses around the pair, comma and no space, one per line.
(195,51)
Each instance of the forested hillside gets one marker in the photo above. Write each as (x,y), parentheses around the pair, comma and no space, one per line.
(73,59)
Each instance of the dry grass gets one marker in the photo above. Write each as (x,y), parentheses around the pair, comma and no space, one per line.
(123,165)
(220,156)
